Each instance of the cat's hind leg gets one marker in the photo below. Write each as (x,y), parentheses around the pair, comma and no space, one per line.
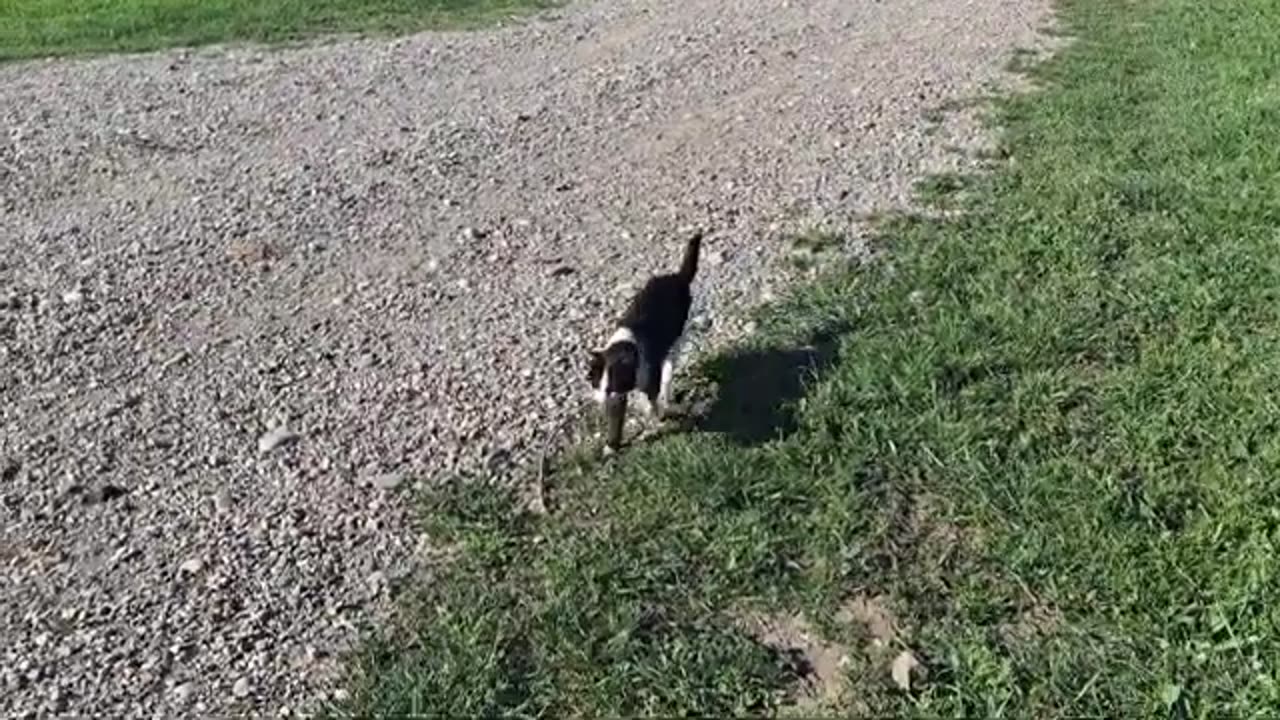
(664,383)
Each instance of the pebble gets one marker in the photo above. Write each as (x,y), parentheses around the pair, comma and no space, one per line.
(903,668)
(191,566)
(182,692)
(275,438)
(387,480)
(103,494)
(222,501)
(241,688)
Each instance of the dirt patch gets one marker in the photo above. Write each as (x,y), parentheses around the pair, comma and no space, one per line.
(873,614)
(818,663)
(823,666)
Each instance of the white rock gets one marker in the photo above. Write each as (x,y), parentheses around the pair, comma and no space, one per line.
(222,501)
(387,481)
(192,566)
(241,688)
(182,693)
(903,665)
(273,439)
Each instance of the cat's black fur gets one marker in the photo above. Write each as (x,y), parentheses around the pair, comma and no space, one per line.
(641,351)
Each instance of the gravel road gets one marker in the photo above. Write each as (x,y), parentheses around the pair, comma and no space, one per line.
(248,296)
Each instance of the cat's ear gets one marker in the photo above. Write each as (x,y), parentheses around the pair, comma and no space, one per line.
(595,369)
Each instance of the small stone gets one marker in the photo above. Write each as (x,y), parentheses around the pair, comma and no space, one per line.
(182,693)
(122,554)
(386,481)
(499,460)
(72,297)
(903,667)
(222,501)
(470,233)
(341,695)
(103,494)
(241,688)
(273,439)
(192,566)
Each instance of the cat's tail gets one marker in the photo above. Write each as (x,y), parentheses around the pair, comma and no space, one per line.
(689,266)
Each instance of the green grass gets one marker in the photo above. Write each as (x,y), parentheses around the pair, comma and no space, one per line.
(36,28)
(1047,429)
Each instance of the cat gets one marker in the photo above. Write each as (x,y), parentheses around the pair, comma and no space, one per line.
(647,339)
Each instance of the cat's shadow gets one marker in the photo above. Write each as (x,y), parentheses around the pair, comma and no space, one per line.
(755,389)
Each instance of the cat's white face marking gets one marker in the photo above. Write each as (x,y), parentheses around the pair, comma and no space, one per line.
(622,334)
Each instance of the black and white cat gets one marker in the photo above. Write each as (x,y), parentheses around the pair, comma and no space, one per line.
(641,354)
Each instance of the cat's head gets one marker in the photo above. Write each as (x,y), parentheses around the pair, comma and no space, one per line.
(612,371)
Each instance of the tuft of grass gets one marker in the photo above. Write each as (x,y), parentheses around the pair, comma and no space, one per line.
(808,248)
(944,190)
(1046,430)
(38,28)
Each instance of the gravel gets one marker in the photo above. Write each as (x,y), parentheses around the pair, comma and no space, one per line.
(259,294)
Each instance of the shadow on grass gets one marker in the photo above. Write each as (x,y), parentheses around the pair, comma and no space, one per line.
(757,388)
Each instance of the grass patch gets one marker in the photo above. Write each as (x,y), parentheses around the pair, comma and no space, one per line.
(35,28)
(1045,431)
